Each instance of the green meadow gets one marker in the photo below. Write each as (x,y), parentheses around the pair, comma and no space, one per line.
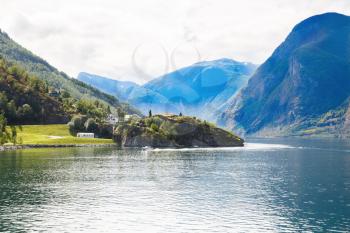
(53,134)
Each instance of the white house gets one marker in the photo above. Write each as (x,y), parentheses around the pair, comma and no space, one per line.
(111,119)
(85,135)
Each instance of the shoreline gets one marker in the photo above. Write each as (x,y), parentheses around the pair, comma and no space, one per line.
(31,146)
(37,146)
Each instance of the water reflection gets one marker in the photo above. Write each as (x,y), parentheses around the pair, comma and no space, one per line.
(300,187)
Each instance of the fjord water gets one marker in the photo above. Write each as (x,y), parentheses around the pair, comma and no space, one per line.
(280,186)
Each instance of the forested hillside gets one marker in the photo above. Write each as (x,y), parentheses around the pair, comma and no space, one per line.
(13,52)
(26,99)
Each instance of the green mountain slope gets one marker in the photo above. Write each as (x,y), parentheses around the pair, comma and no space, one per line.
(13,52)
(24,99)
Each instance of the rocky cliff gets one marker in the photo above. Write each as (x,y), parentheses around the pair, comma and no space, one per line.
(303,88)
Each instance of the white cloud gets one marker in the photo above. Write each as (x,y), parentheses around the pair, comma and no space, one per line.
(138,40)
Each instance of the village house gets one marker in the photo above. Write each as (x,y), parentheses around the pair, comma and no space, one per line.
(85,135)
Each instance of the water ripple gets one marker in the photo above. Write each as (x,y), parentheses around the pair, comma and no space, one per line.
(260,188)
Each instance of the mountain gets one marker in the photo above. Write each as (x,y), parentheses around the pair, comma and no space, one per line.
(202,88)
(26,99)
(303,88)
(13,52)
(136,95)
(113,87)
(197,90)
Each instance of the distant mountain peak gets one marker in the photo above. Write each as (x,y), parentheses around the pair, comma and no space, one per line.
(329,16)
(197,90)
(326,20)
(223,61)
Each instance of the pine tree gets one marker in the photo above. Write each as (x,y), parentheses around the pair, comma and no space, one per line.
(3,132)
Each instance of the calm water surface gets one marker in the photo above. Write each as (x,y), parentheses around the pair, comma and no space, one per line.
(273,186)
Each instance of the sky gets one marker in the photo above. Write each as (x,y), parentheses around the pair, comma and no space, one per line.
(139,40)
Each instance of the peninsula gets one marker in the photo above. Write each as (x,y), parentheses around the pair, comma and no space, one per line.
(173,131)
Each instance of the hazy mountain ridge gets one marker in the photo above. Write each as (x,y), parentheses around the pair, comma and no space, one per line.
(197,90)
(121,89)
(134,94)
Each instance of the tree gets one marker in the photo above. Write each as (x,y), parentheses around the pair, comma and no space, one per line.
(35,84)
(91,125)
(25,111)
(65,95)
(13,135)
(11,110)
(150,113)
(77,124)
(90,108)
(5,135)
(3,101)
(121,114)
(3,131)
(180,114)
(97,103)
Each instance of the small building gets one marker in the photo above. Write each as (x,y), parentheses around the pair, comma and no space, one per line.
(85,135)
(111,119)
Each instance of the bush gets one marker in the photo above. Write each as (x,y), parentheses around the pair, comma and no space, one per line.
(91,125)
(105,131)
(3,132)
(71,127)
(157,121)
(77,124)
(168,129)
(5,135)
(148,122)
(154,127)
(25,112)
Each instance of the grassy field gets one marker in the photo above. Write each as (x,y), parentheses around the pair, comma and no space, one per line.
(53,134)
